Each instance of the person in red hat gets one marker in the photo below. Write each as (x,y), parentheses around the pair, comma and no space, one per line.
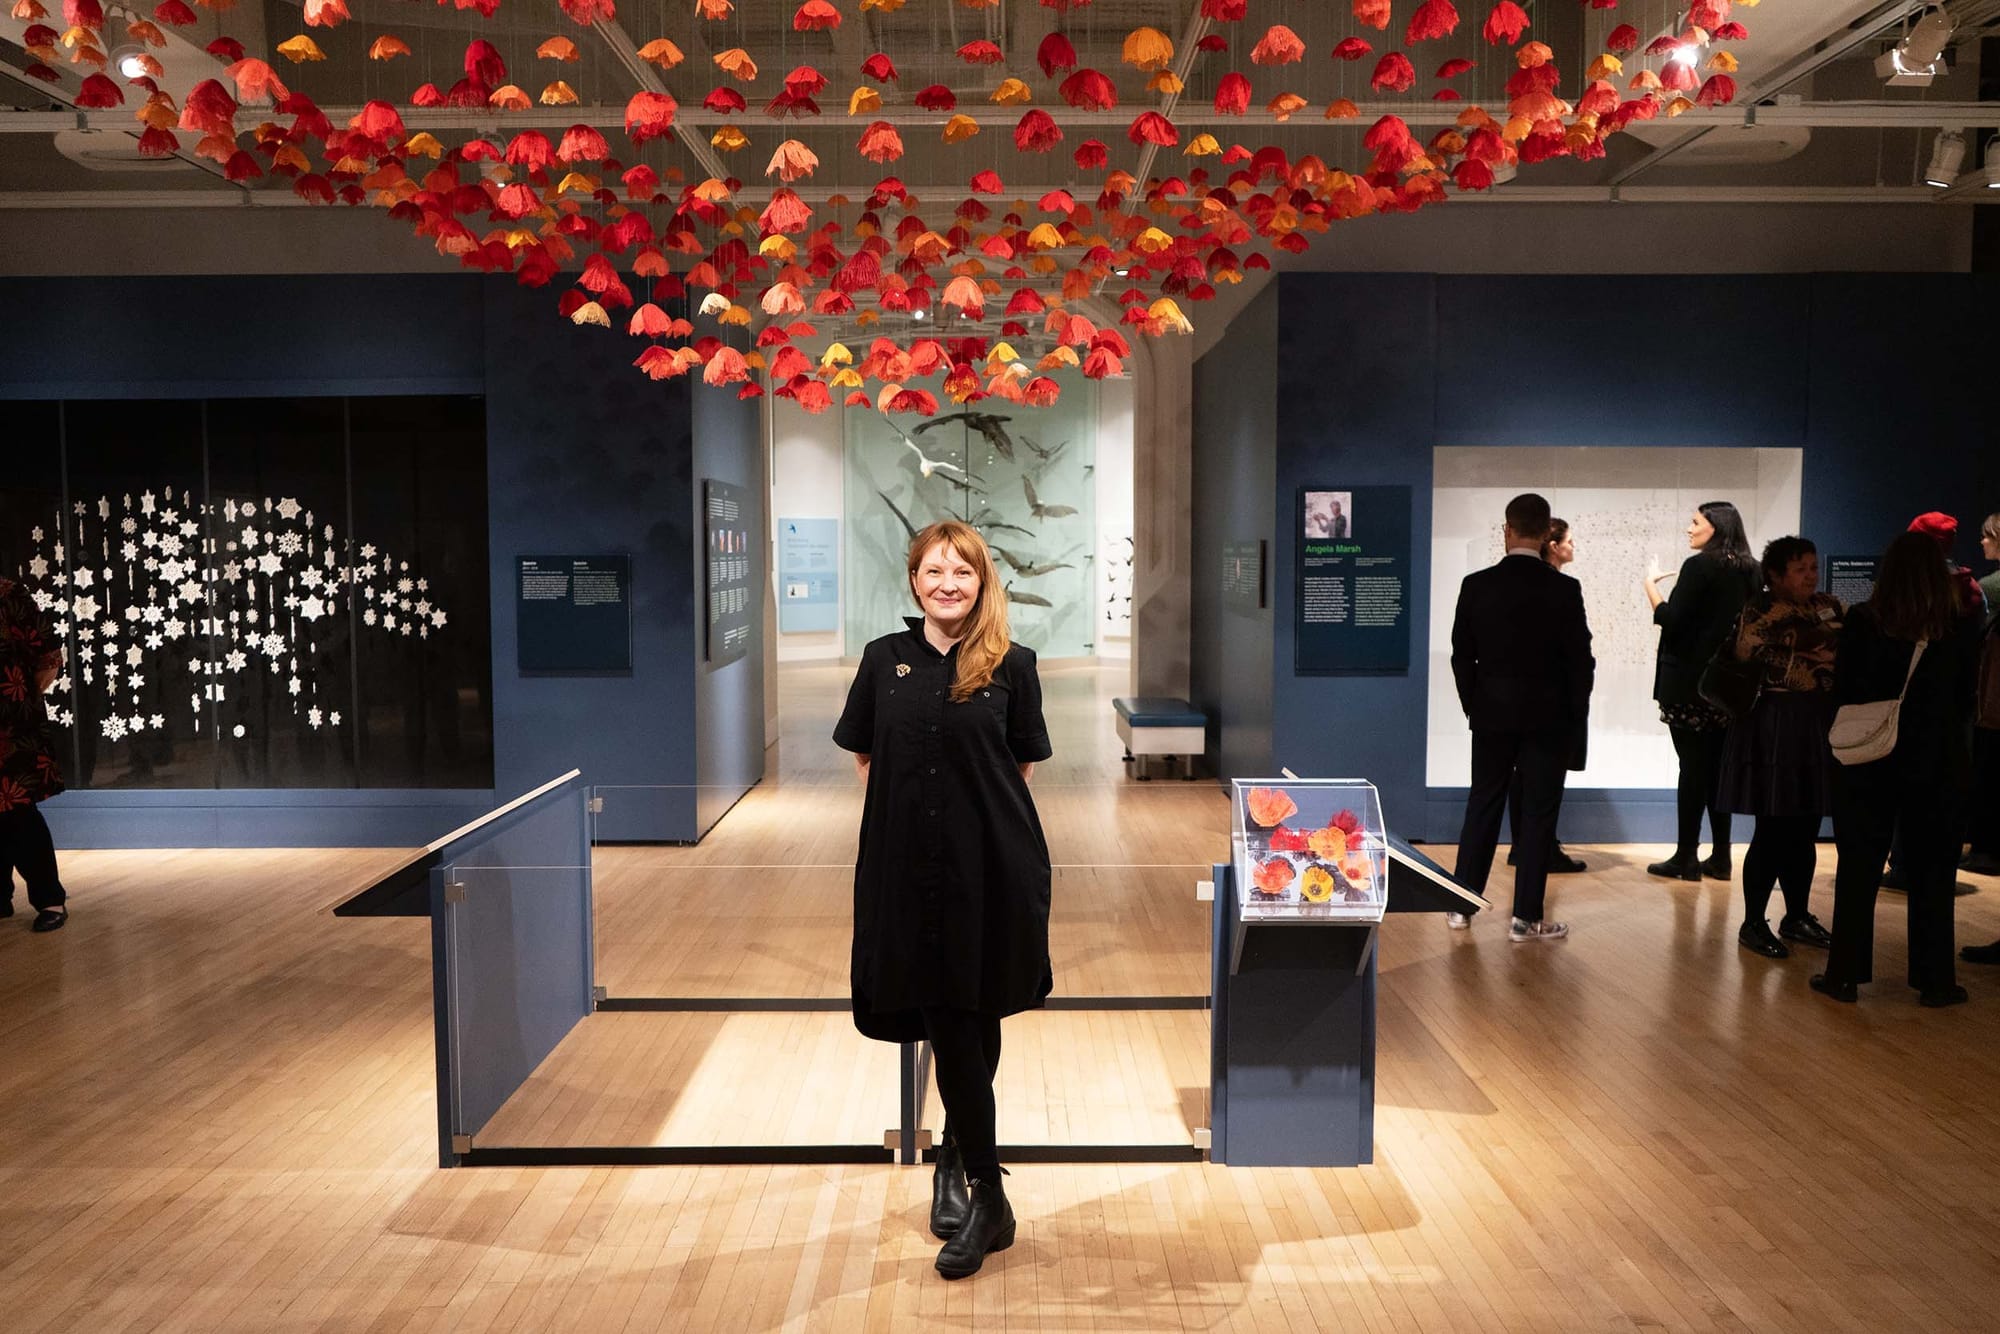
(1943,529)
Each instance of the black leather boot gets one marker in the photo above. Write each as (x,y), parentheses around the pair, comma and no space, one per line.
(1677,867)
(948,1199)
(989,1227)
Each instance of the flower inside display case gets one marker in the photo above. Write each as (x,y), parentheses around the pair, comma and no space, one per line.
(1309,848)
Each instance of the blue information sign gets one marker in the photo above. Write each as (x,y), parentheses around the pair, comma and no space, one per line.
(808,575)
(574,613)
(1352,593)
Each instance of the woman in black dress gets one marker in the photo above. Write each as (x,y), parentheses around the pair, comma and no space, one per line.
(951,883)
(1912,637)
(1776,765)
(1714,584)
(30,658)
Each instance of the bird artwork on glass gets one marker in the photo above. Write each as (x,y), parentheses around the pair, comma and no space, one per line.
(990,425)
(1040,510)
(1027,567)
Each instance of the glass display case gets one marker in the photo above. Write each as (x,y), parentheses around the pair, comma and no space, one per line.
(1308,850)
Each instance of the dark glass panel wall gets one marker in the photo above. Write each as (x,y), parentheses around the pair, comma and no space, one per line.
(424,659)
(225,575)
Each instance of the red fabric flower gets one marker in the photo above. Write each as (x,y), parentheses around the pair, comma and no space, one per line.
(1232,94)
(1505,24)
(1393,73)
(1090,90)
(1150,127)
(1055,53)
(1037,132)
(1433,19)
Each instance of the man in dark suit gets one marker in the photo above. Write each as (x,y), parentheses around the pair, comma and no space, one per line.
(1520,651)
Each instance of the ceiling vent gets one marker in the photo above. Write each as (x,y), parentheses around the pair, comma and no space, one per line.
(1725,146)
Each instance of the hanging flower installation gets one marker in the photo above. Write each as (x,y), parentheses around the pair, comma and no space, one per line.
(642,237)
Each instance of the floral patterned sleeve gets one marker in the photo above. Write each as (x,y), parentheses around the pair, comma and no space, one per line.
(28,768)
(1792,641)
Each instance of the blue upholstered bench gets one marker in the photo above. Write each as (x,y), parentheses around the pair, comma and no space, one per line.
(1157,725)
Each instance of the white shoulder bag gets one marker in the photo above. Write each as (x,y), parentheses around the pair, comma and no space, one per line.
(1864,733)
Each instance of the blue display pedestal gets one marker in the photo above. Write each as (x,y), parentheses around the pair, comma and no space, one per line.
(1292,1042)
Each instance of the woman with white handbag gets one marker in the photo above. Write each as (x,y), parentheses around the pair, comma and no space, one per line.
(1903,683)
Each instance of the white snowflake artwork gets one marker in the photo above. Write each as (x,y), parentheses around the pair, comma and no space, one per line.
(286,602)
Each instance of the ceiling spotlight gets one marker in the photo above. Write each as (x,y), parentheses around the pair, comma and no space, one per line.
(1687,53)
(129,60)
(1947,154)
(1919,57)
(920,314)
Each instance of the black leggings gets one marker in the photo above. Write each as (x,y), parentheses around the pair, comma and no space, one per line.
(965,1053)
(26,846)
(1701,770)
(1784,849)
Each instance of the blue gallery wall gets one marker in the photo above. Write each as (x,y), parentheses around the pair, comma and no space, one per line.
(1878,378)
(1235,420)
(585,455)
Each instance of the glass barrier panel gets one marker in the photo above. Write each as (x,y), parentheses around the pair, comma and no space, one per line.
(745,935)
(517,977)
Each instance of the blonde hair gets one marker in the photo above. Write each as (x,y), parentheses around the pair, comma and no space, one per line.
(985,640)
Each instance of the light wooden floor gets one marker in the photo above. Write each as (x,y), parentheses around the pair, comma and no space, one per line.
(218,1115)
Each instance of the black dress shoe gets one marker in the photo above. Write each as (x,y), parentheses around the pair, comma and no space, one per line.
(1893,879)
(1980,863)
(50,919)
(1716,868)
(1943,996)
(1757,938)
(948,1199)
(1560,863)
(1676,868)
(1806,930)
(989,1227)
(1981,953)
(6,907)
(1843,992)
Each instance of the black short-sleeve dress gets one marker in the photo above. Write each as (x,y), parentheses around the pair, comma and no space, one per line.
(951,882)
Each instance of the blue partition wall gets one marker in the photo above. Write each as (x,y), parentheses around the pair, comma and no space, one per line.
(584,455)
(1878,378)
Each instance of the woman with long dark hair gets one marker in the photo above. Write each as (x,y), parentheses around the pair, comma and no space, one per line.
(951,883)
(1776,765)
(1909,640)
(1713,585)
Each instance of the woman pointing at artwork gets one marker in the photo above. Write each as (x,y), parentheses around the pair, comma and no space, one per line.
(1714,584)
(951,882)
